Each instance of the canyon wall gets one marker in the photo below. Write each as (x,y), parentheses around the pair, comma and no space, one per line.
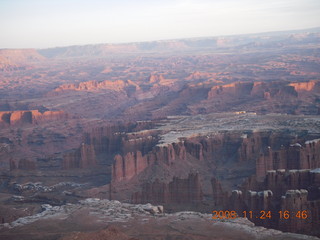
(22,164)
(131,164)
(114,144)
(124,168)
(92,86)
(292,197)
(177,191)
(250,90)
(84,157)
(253,150)
(18,118)
(259,166)
(295,156)
(264,97)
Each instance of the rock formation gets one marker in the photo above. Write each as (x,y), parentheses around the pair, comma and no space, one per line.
(124,168)
(298,216)
(114,144)
(292,197)
(18,118)
(84,157)
(295,156)
(22,164)
(92,86)
(274,96)
(177,191)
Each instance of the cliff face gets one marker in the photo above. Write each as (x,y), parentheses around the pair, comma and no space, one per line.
(295,201)
(252,91)
(252,151)
(22,164)
(231,90)
(259,166)
(306,86)
(262,97)
(178,191)
(295,192)
(114,144)
(18,118)
(295,156)
(131,164)
(84,157)
(219,195)
(124,168)
(92,86)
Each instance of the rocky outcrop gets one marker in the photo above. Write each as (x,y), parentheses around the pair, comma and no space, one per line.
(93,85)
(251,150)
(295,156)
(22,164)
(298,215)
(155,172)
(306,86)
(178,191)
(156,78)
(257,90)
(84,157)
(124,168)
(131,164)
(263,97)
(292,197)
(122,138)
(219,195)
(114,144)
(231,90)
(18,118)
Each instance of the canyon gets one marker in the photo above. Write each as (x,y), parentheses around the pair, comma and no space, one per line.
(188,126)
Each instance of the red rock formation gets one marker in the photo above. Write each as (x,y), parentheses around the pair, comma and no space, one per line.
(295,204)
(236,202)
(233,90)
(156,78)
(165,154)
(220,196)
(23,164)
(262,97)
(251,146)
(194,149)
(93,85)
(177,191)
(294,156)
(260,203)
(281,196)
(253,91)
(110,141)
(124,168)
(310,155)
(18,118)
(305,86)
(83,157)
(132,164)
(115,139)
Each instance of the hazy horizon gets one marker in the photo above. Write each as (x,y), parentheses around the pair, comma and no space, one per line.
(46,24)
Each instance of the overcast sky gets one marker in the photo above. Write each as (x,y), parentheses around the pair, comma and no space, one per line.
(50,23)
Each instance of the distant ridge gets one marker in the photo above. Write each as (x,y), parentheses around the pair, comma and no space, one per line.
(231,42)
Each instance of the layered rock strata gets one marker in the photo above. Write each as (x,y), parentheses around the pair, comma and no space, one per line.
(18,118)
